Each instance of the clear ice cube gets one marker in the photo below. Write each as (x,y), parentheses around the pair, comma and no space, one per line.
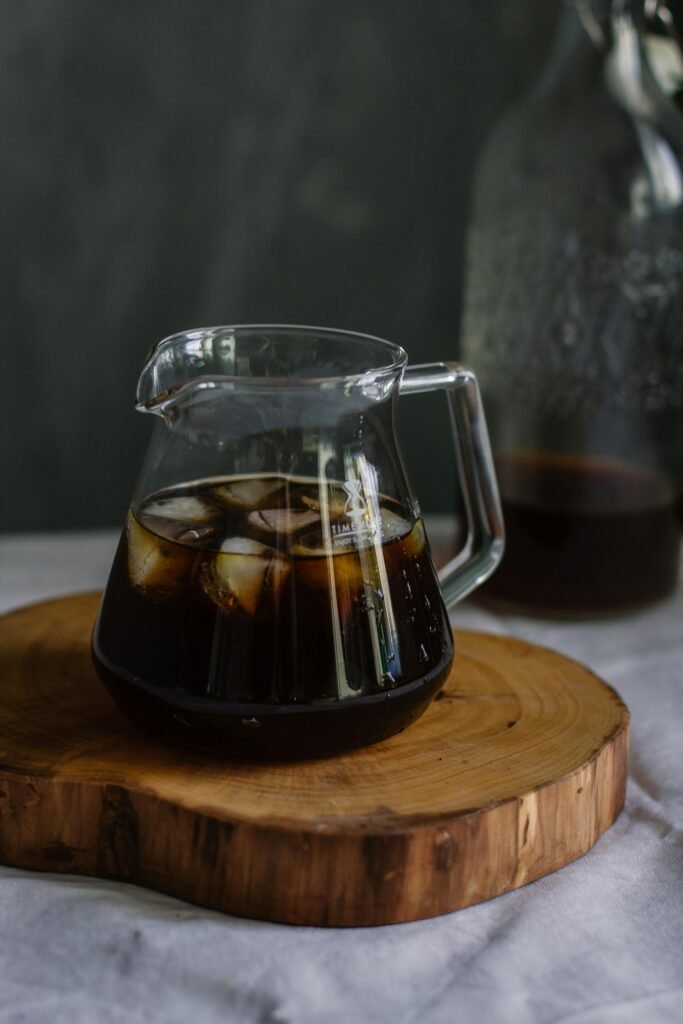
(196,536)
(186,519)
(414,543)
(310,545)
(242,572)
(153,564)
(245,546)
(319,568)
(336,502)
(183,508)
(287,522)
(393,526)
(248,493)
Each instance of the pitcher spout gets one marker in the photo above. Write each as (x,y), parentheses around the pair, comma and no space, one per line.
(182,363)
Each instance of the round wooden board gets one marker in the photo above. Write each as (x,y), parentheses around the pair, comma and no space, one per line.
(515,770)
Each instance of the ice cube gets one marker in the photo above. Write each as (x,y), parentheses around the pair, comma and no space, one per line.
(336,502)
(186,519)
(310,545)
(183,508)
(393,526)
(153,563)
(242,572)
(415,542)
(317,567)
(248,493)
(195,536)
(287,522)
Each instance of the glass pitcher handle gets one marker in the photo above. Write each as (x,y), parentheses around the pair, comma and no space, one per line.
(485,533)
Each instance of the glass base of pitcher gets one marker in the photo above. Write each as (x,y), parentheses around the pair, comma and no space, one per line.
(275,732)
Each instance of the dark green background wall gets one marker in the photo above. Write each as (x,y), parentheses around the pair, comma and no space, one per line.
(169,164)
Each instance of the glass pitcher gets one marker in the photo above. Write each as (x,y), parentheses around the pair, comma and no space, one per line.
(273,593)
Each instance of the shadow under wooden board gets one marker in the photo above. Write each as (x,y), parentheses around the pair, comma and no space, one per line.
(516,769)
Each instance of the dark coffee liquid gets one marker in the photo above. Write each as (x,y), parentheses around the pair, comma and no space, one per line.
(266,619)
(583,535)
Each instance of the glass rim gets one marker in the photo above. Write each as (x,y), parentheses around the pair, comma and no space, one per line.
(396,360)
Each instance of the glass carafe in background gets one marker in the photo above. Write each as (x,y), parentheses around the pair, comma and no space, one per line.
(273,593)
(574,315)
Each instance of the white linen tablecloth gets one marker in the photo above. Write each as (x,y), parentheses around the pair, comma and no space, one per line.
(599,942)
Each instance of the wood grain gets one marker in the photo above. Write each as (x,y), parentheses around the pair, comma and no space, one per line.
(516,769)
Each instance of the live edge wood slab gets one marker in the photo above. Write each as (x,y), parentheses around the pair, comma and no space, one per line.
(515,770)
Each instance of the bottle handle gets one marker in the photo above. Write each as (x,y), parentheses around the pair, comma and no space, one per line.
(485,532)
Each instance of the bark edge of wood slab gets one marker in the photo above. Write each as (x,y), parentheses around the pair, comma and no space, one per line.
(516,769)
